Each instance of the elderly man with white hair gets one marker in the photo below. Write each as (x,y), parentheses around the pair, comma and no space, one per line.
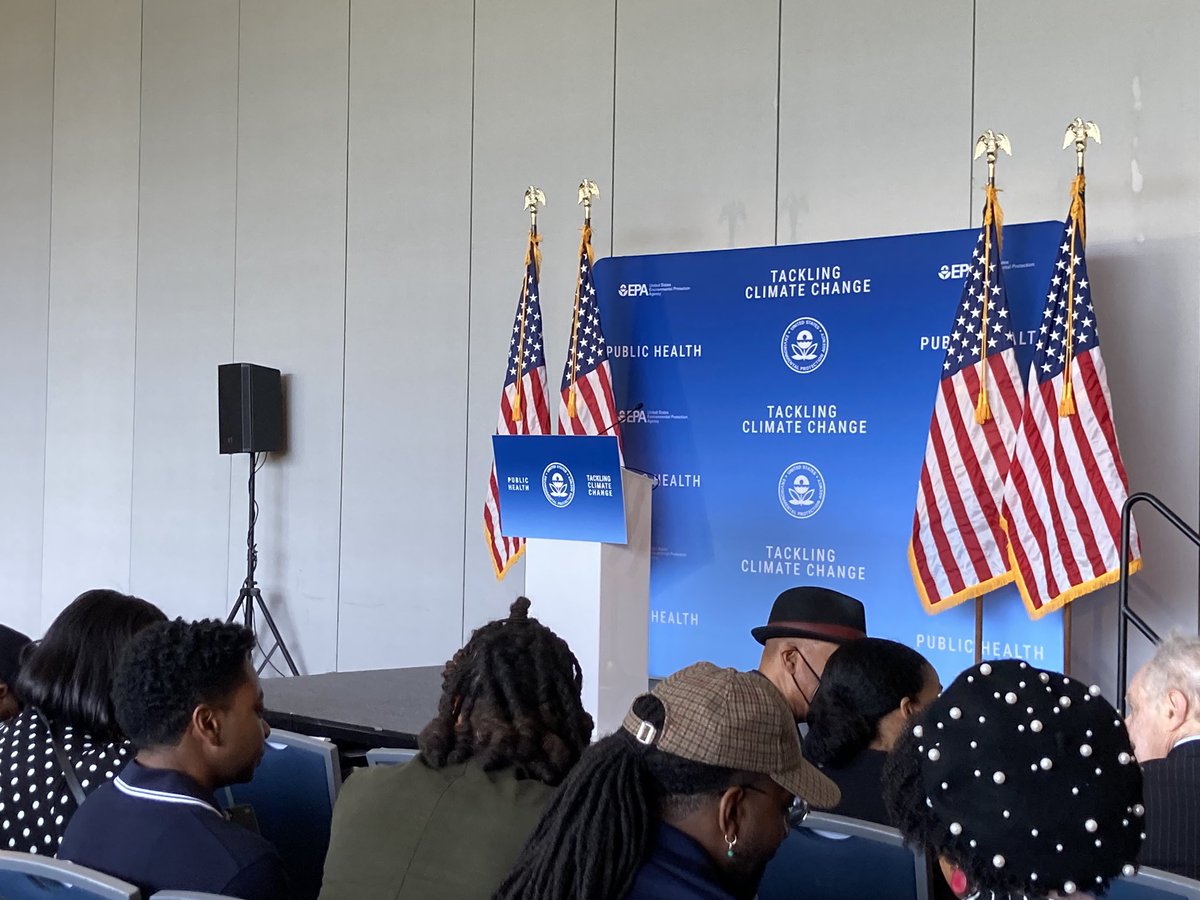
(1164,726)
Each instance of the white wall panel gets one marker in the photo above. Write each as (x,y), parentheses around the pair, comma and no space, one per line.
(93,299)
(1136,75)
(290,290)
(407,296)
(26,109)
(543,115)
(695,125)
(874,119)
(336,191)
(181,486)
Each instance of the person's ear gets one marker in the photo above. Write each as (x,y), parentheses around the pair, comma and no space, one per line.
(729,812)
(790,654)
(1177,709)
(206,722)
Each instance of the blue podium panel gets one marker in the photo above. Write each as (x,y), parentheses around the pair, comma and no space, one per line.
(566,487)
(782,396)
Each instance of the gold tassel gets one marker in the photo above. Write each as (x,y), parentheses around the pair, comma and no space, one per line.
(992,215)
(1067,406)
(983,411)
(516,409)
(571,402)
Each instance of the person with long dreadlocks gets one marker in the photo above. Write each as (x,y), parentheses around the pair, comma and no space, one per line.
(448,824)
(689,799)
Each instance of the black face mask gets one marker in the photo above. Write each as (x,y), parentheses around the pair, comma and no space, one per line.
(816,678)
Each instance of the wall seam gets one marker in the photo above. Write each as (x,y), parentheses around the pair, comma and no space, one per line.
(337,628)
(971,164)
(237,156)
(612,179)
(462,628)
(137,290)
(778,98)
(49,293)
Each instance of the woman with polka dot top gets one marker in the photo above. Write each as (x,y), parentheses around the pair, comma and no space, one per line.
(68,721)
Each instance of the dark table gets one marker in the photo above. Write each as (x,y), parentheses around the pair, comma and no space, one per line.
(378,708)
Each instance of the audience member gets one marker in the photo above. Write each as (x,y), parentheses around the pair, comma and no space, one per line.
(510,725)
(805,626)
(12,646)
(1164,725)
(688,800)
(189,699)
(869,689)
(1022,783)
(66,742)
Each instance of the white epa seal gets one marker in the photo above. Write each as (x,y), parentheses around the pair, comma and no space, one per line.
(805,345)
(558,484)
(801,490)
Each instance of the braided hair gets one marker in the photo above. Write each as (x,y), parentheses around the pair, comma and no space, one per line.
(599,827)
(511,697)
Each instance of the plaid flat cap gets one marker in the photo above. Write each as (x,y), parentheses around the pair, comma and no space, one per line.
(736,720)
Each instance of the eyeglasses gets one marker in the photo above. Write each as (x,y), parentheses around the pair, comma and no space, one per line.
(795,814)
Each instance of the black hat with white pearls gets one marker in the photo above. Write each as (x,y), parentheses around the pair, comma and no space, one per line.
(1032,777)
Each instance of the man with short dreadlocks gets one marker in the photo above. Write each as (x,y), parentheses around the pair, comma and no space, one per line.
(449,824)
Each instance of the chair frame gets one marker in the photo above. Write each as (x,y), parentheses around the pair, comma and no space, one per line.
(390,756)
(327,749)
(881,834)
(188,895)
(69,874)
(1164,881)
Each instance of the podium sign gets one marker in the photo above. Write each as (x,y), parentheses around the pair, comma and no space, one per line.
(566,487)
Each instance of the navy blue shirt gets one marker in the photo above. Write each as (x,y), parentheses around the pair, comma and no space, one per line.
(678,868)
(158,829)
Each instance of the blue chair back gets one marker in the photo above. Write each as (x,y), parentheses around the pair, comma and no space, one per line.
(389,756)
(292,795)
(24,876)
(832,857)
(1153,884)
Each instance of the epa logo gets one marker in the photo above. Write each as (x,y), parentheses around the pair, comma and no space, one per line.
(958,271)
(805,345)
(801,490)
(634,290)
(558,484)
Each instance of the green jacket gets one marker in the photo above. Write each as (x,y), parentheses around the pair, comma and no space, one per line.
(413,832)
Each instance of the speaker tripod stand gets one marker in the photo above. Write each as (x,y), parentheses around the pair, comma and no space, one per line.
(250,597)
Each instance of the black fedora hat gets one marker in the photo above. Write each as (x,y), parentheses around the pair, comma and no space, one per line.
(814,612)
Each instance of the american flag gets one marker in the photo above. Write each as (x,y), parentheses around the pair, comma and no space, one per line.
(524,404)
(1067,484)
(958,546)
(587,405)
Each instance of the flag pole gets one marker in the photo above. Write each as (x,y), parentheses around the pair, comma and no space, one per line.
(1077,133)
(990,142)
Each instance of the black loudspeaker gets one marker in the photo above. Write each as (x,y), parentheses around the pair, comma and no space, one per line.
(250,408)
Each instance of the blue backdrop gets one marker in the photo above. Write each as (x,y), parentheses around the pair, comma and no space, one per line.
(782,397)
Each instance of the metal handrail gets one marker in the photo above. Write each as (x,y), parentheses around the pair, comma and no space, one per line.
(1127,615)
